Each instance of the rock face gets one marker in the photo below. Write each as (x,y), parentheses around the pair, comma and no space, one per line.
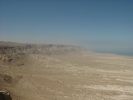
(4,95)
(13,51)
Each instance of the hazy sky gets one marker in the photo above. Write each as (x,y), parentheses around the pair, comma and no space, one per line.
(99,25)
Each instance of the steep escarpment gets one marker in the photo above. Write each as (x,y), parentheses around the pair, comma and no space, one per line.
(15,58)
(15,51)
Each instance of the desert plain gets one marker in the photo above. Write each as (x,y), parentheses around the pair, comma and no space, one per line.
(63,72)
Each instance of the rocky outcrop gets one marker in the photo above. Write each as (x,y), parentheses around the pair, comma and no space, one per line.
(6,58)
(4,95)
(12,51)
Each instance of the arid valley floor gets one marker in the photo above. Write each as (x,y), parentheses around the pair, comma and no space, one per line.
(58,72)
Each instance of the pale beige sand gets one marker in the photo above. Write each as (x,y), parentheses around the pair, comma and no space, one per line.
(84,76)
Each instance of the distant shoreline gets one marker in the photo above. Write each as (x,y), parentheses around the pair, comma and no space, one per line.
(116,53)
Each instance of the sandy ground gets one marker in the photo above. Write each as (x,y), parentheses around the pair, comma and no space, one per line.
(86,76)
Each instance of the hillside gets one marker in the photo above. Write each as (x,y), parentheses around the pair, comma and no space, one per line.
(63,72)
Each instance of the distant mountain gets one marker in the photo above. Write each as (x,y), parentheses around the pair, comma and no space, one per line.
(10,50)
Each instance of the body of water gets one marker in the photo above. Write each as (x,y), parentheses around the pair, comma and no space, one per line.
(126,53)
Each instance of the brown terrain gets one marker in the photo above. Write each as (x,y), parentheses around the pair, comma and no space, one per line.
(63,72)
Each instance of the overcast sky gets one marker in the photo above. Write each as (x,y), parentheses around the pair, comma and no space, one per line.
(98,25)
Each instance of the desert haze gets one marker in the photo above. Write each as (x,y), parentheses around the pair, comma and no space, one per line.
(63,72)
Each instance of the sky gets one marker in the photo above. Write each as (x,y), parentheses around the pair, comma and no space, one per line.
(99,25)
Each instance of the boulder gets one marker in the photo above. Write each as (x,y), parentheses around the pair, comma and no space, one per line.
(4,95)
